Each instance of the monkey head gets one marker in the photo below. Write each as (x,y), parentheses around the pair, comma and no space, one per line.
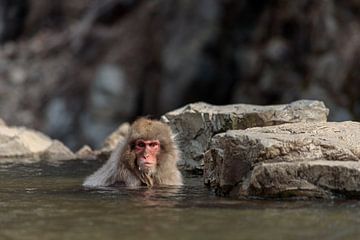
(150,150)
(147,156)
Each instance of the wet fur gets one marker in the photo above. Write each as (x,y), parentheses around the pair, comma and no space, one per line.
(121,168)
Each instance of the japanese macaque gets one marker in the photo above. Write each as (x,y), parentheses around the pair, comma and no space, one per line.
(147,157)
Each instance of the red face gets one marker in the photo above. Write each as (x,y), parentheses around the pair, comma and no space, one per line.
(146,153)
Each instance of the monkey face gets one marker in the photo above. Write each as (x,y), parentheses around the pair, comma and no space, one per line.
(146,152)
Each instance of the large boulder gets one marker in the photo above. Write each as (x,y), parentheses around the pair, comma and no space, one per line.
(21,145)
(307,160)
(195,124)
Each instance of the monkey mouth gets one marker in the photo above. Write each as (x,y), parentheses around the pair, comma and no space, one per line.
(147,168)
(148,164)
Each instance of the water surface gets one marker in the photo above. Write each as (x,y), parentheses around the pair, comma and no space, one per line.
(40,201)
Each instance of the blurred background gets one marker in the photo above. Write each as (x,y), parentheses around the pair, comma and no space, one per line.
(76,69)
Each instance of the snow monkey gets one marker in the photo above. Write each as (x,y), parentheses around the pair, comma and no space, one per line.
(147,156)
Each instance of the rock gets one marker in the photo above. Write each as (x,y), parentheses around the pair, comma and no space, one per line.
(21,145)
(113,139)
(339,113)
(86,153)
(195,124)
(306,160)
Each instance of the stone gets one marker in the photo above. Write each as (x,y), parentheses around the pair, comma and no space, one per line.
(302,160)
(316,91)
(195,124)
(113,139)
(22,145)
(86,153)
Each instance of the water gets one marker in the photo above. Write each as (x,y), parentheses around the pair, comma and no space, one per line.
(48,202)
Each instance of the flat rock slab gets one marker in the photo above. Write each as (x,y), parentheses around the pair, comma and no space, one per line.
(195,124)
(307,160)
(21,145)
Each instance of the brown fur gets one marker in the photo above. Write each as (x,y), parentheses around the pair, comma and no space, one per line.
(122,166)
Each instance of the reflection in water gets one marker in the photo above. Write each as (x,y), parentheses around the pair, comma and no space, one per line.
(48,202)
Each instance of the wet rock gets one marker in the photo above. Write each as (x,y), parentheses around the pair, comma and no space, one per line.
(86,153)
(195,124)
(21,145)
(113,139)
(341,113)
(306,160)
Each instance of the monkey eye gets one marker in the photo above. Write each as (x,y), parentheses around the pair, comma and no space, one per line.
(140,144)
(153,144)
(143,144)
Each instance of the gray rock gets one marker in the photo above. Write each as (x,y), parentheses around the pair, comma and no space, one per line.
(113,139)
(21,145)
(338,114)
(307,160)
(195,124)
(86,153)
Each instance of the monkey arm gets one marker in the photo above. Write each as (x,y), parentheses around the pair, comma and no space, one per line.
(168,173)
(169,178)
(108,173)
(113,171)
